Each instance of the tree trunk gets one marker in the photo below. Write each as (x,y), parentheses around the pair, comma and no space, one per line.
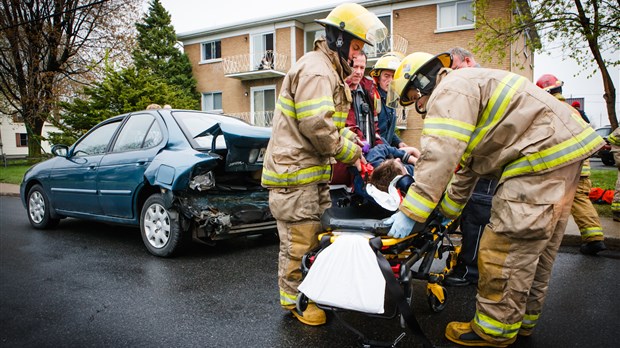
(34,130)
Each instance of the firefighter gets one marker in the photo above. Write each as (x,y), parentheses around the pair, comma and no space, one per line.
(582,209)
(308,136)
(614,141)
(494,123)
(477,211)
(383,73)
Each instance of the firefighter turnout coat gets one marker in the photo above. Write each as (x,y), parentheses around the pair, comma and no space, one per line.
(491,123)
(308,124)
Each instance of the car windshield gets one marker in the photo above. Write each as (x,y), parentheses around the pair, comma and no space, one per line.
(198,127)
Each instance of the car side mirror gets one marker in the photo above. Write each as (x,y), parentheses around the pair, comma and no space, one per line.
(60,150)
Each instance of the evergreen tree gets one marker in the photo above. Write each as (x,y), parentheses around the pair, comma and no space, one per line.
(120,92)
(156,50)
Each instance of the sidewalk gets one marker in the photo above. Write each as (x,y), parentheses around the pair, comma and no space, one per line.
(611,229)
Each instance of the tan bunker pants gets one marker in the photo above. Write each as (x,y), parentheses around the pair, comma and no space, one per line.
(298,212)
(518,248)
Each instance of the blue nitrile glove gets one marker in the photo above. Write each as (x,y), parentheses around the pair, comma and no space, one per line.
(402,225)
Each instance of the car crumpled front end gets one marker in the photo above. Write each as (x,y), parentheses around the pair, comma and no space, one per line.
(219,204)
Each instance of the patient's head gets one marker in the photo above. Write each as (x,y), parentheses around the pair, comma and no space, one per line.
(385,172)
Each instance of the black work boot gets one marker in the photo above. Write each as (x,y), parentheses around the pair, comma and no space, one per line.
(592,248)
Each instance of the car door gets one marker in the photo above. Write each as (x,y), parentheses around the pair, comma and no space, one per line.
(121,171)
(73,181)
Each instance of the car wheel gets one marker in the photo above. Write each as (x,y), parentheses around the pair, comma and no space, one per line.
(160,228)
(38,208)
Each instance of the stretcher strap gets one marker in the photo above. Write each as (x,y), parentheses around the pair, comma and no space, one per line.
(397,293)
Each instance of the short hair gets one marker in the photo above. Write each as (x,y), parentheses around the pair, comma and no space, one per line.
(362,53)
(461,52)
(384,174)
(153,107)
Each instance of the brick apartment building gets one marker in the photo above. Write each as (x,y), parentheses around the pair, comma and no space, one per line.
(240,67)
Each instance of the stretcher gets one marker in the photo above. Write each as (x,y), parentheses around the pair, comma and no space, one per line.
(401,261)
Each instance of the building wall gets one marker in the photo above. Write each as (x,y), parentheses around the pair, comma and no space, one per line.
(299,37)
(283,44)
(8,140)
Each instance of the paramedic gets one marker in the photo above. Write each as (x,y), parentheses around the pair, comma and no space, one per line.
(494,123)
(582,209)
(308,134)
(477,211)
(382,73)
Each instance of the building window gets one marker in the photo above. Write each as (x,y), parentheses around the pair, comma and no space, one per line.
(21,139)
(211,50)
(262,51)
(455,15)
(263,105)
(212,101)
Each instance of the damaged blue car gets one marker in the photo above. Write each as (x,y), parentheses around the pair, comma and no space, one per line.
(179,175)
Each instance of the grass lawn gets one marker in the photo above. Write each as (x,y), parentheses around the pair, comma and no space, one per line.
(13,174)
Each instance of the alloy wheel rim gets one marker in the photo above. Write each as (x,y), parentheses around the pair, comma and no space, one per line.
(36,207)
(157,226)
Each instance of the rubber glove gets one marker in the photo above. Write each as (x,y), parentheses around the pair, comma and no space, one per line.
(402,225)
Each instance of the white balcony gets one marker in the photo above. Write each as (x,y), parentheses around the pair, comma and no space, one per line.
(253,66)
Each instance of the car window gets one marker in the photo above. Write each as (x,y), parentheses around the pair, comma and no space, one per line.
(195,124)
(96,142)
(139,131)
(154,136)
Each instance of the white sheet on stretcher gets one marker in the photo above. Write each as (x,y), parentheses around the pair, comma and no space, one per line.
(346,275)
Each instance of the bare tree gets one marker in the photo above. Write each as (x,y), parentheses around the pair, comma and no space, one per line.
(588,32)
(46,45)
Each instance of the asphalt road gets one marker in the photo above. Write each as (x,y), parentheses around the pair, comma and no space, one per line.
(87,284)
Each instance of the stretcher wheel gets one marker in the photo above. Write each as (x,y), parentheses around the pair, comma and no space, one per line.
(435,303)
(301,302)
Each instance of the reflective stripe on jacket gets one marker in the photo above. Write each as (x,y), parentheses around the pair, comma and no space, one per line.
(494,124)
(310,112)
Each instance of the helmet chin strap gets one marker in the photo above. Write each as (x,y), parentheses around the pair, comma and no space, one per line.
(338,41)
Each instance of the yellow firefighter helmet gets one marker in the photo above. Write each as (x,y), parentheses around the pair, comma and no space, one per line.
(389,61)
(418,70)
(357,21)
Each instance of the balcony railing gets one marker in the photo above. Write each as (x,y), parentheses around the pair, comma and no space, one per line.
(255,65)
(392,43)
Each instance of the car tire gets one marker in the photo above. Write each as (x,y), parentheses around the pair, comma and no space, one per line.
(38,208)
(608,161)
(161,228)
